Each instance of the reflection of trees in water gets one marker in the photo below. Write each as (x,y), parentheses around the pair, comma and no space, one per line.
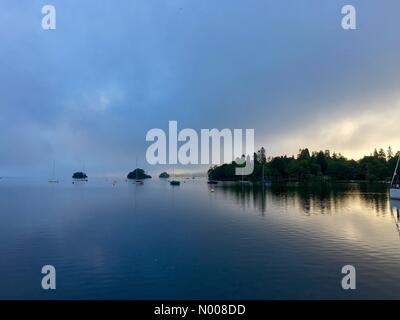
(395,211)
(376,196)
(247,196)
(318,198)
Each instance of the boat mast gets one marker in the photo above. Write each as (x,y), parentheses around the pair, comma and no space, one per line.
(54,169)
(263,172)
(395,170)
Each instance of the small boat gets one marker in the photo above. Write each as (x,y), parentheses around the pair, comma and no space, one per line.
(395,183)
(266,182)
(139,182)
(212,182)
(395,193)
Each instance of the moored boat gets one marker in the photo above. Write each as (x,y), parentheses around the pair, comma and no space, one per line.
(266,182)
(174,182)
(395,193)
(212,182)
(138,181)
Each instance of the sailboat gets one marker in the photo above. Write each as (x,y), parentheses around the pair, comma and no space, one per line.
(174,182)
(243,182)
(265,181)
(53,180)
(138,182)
(395,183)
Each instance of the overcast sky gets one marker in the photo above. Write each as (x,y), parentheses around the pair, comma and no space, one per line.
(86,93)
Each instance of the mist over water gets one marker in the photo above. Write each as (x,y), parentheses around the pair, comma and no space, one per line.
(161,242)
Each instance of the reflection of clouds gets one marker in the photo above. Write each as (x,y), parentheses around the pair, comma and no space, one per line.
(311,199)
(358,214)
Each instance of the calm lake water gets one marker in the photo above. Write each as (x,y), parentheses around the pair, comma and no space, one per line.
(161,242)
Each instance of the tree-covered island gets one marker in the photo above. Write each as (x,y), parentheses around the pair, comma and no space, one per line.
(318,165)
(138,174)
(79,176)
(164,175)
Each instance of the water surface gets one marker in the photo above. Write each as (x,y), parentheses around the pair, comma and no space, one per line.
(161,242)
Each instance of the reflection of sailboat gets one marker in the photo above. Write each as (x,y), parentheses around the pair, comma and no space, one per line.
(395,207)
(395,183)
(53,179)
(395,204)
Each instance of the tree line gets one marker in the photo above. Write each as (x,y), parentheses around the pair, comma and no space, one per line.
(306,165)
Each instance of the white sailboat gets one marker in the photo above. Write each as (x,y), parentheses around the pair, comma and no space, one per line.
(53,179)
(395,183)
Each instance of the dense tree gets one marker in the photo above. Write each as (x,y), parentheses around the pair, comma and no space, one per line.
(381,154)
(261,156)
(318,165)
(320,159)
(389,153)
(304,154)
